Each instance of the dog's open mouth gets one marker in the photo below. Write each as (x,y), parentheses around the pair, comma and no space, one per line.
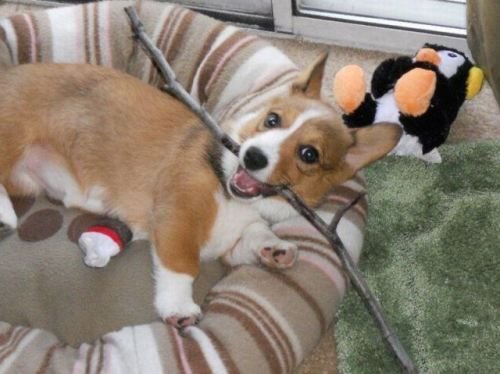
(243,185)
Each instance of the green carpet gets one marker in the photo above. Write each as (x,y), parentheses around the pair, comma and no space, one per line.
(432,257)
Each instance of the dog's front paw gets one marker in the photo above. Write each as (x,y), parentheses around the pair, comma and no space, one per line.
(8,222)
(279,254)
(8,217)
(177,313)
(98,249)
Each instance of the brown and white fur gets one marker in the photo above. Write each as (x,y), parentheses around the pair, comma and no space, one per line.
(108,143)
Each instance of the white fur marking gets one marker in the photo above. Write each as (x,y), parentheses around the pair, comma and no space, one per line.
(232,218)
(42,170)
(7,214)
(274,210)
(92,200)
(239,122)
(270,142)
(21,178)
(254,238)
(173,293)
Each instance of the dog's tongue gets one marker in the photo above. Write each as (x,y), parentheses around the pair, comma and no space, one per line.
(245,184)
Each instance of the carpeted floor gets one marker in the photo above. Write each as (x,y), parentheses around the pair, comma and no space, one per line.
(432,257)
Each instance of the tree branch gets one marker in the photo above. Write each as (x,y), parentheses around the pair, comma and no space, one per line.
(343,210)
(329,231)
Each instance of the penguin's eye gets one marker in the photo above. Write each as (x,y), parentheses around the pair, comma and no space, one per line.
(452,55)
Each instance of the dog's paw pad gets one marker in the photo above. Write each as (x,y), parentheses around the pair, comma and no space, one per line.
(181,322)
(178,312)
(279,256)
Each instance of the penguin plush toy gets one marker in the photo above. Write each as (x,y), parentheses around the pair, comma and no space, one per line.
(422,93)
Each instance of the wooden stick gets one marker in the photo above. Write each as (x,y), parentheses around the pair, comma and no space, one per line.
(343,210)
(329,231)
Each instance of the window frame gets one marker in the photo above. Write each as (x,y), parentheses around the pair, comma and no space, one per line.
(358,34)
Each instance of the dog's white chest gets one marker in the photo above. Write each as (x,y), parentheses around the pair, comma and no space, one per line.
(232,218)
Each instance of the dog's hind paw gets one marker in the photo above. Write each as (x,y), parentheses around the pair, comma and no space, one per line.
(280,255)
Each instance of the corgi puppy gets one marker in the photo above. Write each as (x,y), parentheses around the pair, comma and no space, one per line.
(108,143)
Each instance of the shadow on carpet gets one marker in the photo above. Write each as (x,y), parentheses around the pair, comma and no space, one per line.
(432,257)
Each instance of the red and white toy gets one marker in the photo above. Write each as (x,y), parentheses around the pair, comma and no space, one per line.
(102,241)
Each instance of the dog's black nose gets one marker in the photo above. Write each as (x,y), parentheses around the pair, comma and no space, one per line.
(254,159)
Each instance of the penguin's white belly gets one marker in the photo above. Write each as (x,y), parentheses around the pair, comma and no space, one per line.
(387,110)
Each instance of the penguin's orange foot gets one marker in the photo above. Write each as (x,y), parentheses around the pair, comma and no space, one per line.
(349,88)
(414,90)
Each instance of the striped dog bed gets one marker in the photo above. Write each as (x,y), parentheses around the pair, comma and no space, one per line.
(60,316)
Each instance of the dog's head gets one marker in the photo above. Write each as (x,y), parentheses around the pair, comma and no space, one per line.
(299,141)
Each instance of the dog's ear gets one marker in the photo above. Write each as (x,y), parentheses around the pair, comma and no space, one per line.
(309,80)
(371,144)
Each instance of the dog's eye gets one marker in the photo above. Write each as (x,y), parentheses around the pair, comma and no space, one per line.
(308,154)
(272,120)
(452,55)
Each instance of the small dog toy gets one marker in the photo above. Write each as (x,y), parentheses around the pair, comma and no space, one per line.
(422,93)
(107,238)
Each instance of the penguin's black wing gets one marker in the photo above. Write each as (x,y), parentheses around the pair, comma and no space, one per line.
(364,115)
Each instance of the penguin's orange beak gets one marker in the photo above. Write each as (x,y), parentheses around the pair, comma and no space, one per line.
(428,55)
